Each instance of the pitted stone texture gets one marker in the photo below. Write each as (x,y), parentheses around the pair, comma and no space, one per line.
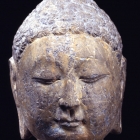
(61,16)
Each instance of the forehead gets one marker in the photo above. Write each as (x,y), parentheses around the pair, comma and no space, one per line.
(67,48)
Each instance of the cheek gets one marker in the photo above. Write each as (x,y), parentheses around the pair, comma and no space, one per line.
(100,100)
(97,99)
(101,91)
(40,98)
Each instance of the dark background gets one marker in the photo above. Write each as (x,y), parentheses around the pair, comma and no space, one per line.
(126,16)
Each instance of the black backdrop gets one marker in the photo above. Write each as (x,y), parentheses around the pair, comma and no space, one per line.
(126,16)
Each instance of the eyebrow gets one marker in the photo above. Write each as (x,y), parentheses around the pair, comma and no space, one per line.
(80,61)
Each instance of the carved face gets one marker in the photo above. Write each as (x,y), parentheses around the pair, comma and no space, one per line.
(68,87)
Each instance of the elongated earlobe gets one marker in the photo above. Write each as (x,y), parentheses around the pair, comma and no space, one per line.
(117,129)
(24,132)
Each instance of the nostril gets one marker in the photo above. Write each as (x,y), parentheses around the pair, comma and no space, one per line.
(63,107)
(68,109)
(71,112)
(69,103)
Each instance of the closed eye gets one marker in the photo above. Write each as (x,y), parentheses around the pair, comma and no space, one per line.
(45,81)
(93,78)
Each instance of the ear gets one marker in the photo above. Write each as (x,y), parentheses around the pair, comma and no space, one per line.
(24,132)
(13,78)
(123,75)
(117,129)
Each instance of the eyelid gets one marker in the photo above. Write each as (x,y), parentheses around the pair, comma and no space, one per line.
(45,81)
(93,78)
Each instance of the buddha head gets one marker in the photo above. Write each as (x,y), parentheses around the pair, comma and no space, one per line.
(67,72)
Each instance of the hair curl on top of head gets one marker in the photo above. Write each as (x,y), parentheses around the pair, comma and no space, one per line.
(61,16)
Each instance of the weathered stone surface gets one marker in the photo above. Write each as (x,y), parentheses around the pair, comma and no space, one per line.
(68,72)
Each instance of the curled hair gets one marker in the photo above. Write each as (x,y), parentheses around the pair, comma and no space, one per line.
(61,16)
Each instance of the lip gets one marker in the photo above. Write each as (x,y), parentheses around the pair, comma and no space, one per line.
(68,124)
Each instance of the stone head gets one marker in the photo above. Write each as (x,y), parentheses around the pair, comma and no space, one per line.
(68,72)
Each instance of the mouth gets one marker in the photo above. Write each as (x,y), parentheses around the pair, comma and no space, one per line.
(69,124)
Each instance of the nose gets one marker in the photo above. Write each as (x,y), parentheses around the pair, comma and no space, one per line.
(71,95)
(68,108)
(70,102)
